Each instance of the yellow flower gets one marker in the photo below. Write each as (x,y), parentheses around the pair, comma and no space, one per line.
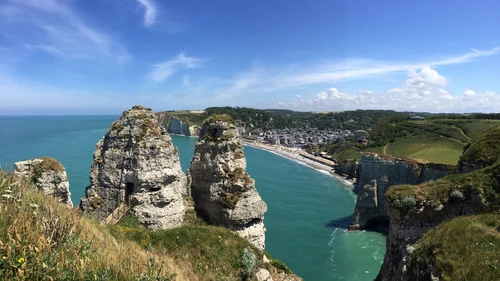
(20,260)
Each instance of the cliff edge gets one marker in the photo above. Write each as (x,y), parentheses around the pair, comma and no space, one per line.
(377,174)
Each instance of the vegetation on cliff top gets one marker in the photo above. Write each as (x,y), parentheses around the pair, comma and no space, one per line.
(465,248)
(485,181)
(484,148)
(219,117)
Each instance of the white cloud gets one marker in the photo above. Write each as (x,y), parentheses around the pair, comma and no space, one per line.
(52,26)
(270,80)
(469,93)
(163,70)
(420,92)
(150,11)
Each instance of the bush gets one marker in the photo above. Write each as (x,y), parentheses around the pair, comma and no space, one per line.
(457,194)
(281,266)
(248,263)
(405,203)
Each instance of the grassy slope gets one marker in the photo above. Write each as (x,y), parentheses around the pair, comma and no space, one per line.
(434,149)
(466,248)
(37,233)
(435,141)
(485,147)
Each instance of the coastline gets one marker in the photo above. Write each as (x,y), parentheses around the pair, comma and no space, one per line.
(295,155)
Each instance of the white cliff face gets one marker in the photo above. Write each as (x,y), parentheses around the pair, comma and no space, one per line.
(47,175)
(137,163)
(377,174)
(223,192)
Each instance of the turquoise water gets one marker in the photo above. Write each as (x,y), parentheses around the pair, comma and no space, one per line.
(307,210)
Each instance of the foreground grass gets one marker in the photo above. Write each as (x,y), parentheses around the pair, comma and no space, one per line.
(212,252)
(466,248)
(41,239)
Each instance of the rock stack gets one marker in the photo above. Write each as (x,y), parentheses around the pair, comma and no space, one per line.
(137,164)
(47,175)
(223,192)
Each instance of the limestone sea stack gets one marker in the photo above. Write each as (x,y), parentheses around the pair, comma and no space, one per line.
(137,164)
(223,192)
(47,175)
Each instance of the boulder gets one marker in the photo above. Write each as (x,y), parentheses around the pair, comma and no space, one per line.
(47,175)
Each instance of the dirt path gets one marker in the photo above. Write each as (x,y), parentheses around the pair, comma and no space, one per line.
(466,136)
(385,149)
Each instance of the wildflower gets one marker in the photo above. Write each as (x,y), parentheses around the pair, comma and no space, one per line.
(20,260)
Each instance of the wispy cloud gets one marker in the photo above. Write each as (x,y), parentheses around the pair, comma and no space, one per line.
(163,70)
(53,27)
(150,11)
(265,80)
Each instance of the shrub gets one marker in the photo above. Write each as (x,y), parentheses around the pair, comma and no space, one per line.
(248,263)
(281,266)
(457,194)
(405,203)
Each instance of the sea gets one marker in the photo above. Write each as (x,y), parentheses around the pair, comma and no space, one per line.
(308,210)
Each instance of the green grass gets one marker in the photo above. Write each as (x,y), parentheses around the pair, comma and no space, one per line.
(471,127)
(466,248)
(378,149)
(221,117)
(484,148)
(439,150)
(212,252)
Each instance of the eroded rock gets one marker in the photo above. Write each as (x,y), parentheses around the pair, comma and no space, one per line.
(47,175)
(223,192)
(137,163)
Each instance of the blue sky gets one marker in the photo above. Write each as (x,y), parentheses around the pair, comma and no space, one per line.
(103,56)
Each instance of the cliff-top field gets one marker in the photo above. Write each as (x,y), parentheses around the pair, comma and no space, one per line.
(438,141)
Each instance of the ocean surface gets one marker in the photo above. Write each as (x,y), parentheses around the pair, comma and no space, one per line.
(308,210)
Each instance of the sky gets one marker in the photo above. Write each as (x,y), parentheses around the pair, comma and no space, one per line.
(104,56)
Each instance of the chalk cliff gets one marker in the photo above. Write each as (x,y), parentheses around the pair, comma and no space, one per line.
(175,125)
(223,192)
(377,174)
(415,210)
(47,175)
(137,164)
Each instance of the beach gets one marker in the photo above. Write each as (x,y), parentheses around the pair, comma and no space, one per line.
(299,155)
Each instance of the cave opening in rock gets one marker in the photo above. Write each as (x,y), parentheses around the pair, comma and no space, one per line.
(378,224)
(129,189)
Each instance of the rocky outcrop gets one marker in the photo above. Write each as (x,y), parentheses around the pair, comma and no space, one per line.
(223,192)
(47,175)
(175,125)
(137,164)
(349,168)
(411,218)
(377,174)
